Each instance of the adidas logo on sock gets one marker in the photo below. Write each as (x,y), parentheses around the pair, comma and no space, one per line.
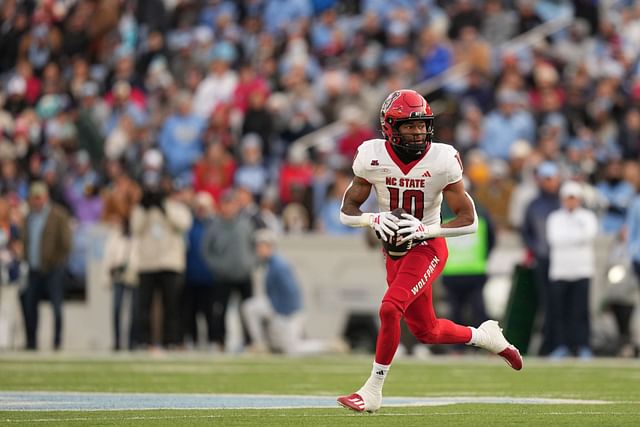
(380,372)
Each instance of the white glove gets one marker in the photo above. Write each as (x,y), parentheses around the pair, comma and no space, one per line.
(413,229)
(384,224)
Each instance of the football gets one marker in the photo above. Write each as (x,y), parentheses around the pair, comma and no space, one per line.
(391,247)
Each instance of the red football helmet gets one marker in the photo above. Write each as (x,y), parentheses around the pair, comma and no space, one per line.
(403,106)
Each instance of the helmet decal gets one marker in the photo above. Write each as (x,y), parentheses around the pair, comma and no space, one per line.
(387,102)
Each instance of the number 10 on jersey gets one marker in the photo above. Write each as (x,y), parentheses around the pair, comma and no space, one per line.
(412,200)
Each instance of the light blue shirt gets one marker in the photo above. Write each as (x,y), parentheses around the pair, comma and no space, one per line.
(37,220)
(619,197)
(633,229)
(502,131)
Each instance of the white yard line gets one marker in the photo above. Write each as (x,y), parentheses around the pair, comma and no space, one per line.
(77,401)
(340,413)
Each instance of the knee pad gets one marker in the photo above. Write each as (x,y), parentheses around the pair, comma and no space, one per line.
(390,311)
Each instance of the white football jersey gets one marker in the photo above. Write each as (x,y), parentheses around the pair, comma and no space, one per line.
(417,186)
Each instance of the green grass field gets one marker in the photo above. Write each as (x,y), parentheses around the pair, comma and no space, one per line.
(615,381)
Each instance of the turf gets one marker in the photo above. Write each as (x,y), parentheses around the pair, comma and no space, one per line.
(611,380)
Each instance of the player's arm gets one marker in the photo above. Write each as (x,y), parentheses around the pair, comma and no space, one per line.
(351,215)
(460,202)
(356,194)
(464,222)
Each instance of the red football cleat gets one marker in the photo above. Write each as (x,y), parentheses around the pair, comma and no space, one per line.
(511,355)
(362,400)
(353,402)
(494,341)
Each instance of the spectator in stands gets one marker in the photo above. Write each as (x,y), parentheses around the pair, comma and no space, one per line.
(571,232)
(358,130)
(259,120)
(219,84)
(618,193)
(295,176)
(12,179)
(629,136)
(214,172)
(227,248)
(122,103)
(496,194)
(11,249)
(251,173)
(47,244)
(534,234)
(180,139)
(249,208)
(15,101)
(158,224)
(434,53)
(120,259)
(16,21)
(281,15)
(219,127)
(498,23)
(200,283)
(506,124)
(472,50)
(82,190)
(528,18)
(329,215)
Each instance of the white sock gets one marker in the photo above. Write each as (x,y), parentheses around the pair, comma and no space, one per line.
(377,377)
(475,336)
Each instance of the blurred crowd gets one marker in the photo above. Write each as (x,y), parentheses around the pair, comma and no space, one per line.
(115,108)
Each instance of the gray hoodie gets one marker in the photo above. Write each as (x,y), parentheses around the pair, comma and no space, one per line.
(227,247)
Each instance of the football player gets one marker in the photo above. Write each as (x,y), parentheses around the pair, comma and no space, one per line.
(408,170)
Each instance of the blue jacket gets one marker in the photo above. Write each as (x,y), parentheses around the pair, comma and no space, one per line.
(282,287)
(534,228)
(197,272)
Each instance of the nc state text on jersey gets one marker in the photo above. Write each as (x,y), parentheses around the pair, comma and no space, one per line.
(406,182)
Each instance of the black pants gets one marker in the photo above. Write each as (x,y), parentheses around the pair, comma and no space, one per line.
(41,285)
(222,293)
(119,292)
(541,273)
(169,284)
(198,300)
(568,313)
(464,294)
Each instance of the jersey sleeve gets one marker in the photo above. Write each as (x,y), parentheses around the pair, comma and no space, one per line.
(358,167)
(454,169)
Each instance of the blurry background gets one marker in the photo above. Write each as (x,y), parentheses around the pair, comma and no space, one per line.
(256,108)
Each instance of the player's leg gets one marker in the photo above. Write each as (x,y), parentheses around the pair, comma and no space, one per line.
(423,323)
(420,315)
(407,278)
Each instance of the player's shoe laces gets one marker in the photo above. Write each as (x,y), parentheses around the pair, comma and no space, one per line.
(494,341)
(362,400)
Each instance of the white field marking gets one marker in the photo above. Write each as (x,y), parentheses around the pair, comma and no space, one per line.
(76,401)
(342,413)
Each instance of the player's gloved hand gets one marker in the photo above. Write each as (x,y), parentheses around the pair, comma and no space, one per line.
(384,223)
(411,228)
